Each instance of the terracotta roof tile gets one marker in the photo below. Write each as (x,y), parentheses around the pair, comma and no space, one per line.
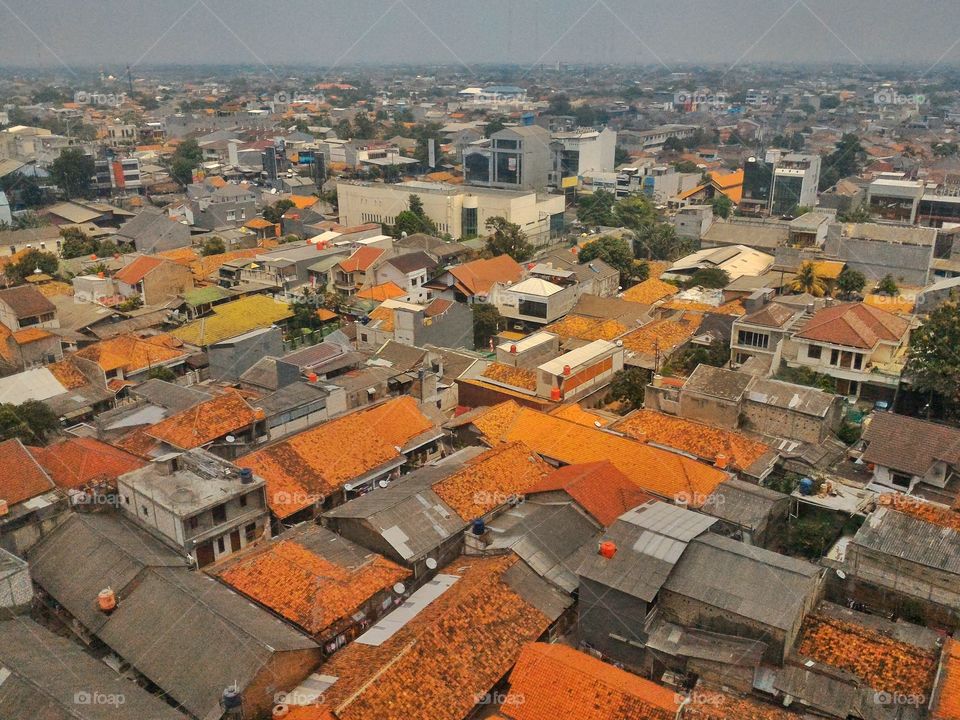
(491,479)
(384,317)
(31,334)
(317,462)
(478,276)
(68,374)
(308,589)
(946,704)
(386,291)
(664,335)
(555,681)
(657,471)
(708,704)
(704,441)
(137,443)
(598,487)
(361,259)
(509,375)
(575,413)
(138,269)
(133,352)
(203,267)
(734,307)
(917,508)
(650,291)
(884,664)
(80,461)
(21,478)
(452,652)
(854,325)
(587,328)
(205,422)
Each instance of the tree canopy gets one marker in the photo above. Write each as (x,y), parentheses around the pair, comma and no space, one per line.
(933,363)
(597,208)
(507,238)
(73,172)
(29,263)
(614,251)
(807,281)
(850,281)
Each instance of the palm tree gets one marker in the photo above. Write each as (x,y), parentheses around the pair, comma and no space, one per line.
(807,281)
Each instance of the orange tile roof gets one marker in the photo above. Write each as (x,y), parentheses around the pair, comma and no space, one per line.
(574,413)
(310,712)
(708,704)
(385,317)
(946,703)
(258,223)
(31,334)
(478,276)
(206,421)
(598,487)
(68,374)
(79,461)
(657,471)
(491,480)
(361,259)
(854,325)
(317,462)
(302,202)
(308,589)
(884,664)
(21,478)
(385,291)
(135,272)
(734,307)
(133,352)
(183,256)
(899,304)
(324,315)
(137,443)
(552,681)
(915,507)
(587,328)
(663,335)
(650,291)
(203,267)
(691,437)
(515,376)
(452,652)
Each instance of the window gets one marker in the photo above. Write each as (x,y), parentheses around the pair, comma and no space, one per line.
(858,361)
(532,308)
(250,532)
(221,546)
(193,522)
(814,352)
(220,514)
(834,357)
(145,510)
(363,337)
(900,479)
(243,501)
(753,339)
(126,499)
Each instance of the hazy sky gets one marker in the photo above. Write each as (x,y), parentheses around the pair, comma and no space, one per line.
(75,33)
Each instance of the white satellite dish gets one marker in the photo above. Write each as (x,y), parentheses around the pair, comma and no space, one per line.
(431,564)
(399,588)
(230,438)
(383,483)
(841,574)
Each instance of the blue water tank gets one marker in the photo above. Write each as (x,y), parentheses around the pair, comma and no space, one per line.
(478,527)
(806,486)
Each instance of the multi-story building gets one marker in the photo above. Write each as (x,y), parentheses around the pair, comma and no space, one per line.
(582,152)
(516,158)
(795,179)
(197,502)
(892,197)
(455,209)
(116,174)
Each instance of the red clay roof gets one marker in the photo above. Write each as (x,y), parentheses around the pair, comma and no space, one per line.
(135,272)
(133,352)
(386,291)
(553,681)
(206,421)
(452,652)
(21,478)
(598,487)
(854,325)
(946,704)
(477,277)
(76,462)
(317,462)
(360,260)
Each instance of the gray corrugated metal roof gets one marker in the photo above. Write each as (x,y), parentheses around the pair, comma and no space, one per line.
(743,503)
(895,533)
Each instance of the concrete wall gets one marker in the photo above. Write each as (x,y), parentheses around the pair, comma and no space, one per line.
(710,410)
(229,360)
(612,622)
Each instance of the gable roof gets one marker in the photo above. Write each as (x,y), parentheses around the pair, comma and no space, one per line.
(909,444)
(657,471)
(133,352)
(312,577)
(78,461)
(452,651)
(553,681)
(205,421)
(234,318)
(302,469)
(135,272)
(26,301)
(598,487)
(770,315)
(478,276)
(21,477)
(412,261)
(854,325)
(384,291)
(362,259)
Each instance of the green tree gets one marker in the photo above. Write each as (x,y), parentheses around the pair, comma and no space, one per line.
(106,247)
(507,238)
(560,105)
(495,125)
(888,286)
(859,214)
(628,386)
(673,144)
(597,208)
(620,156)
(365,128)
(186,158)
(73,172)
(75,243)
(162,372)
(274,213)
(722,206)
(850,281)
(213,246)
(634,213)
(614,251)
(686,166)
(846,159)
(710,278)
(30,421)
(414,219)
(31,261)
(659,241)
(933,364)
(487,322)
(807,281)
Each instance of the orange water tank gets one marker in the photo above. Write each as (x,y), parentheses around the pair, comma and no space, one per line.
(608,549)
(4,507)
(555,394)
(566,369)
(280,711)
(721,461)
(107,600)
(513,349)
(312,377)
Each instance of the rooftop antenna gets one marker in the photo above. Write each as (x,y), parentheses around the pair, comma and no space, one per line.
(129,80)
